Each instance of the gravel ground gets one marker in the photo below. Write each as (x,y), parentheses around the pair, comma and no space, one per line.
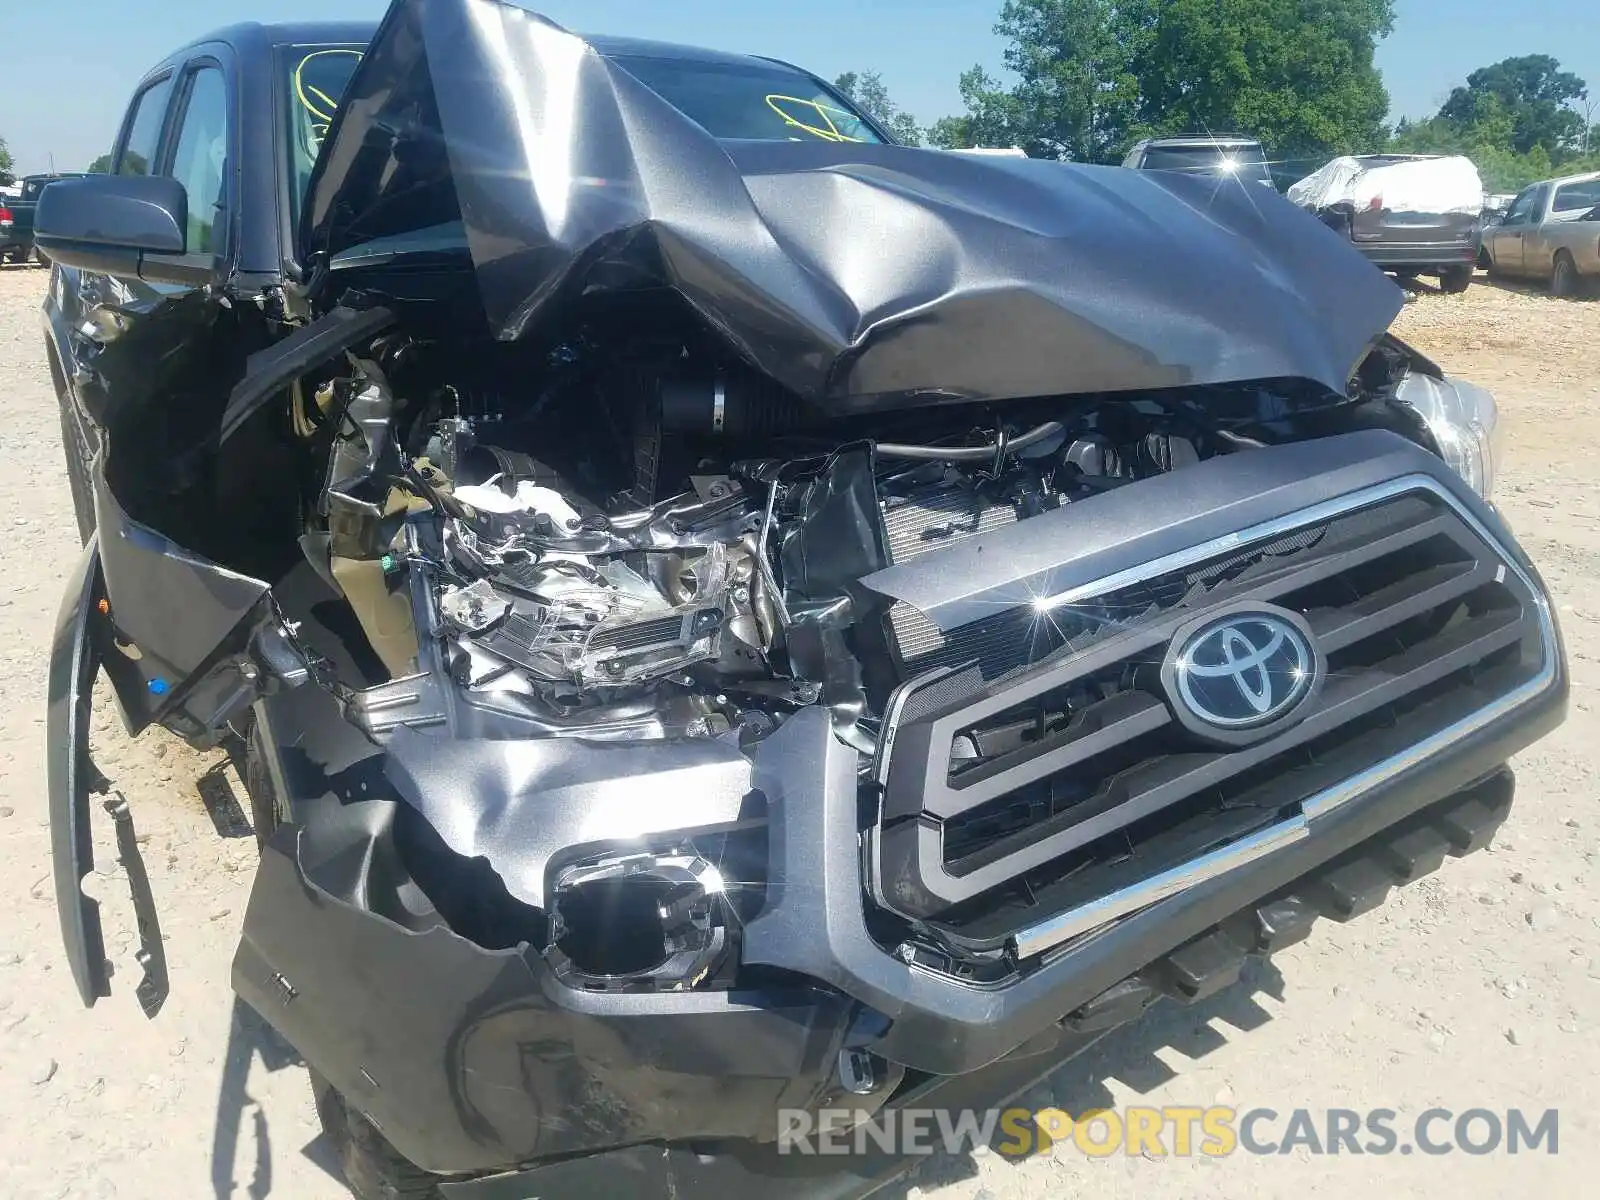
(1477,988)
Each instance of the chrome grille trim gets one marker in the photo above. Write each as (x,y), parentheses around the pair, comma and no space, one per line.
(1089,917)
(1046,935)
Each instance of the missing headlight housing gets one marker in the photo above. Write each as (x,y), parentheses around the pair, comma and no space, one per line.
(641,922)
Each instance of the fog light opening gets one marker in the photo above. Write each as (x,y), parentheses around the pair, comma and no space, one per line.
(613,926)
(640,922)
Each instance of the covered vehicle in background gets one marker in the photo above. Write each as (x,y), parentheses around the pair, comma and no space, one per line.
(1410,214)
(1220,154)
(1495,206)
(1550,232)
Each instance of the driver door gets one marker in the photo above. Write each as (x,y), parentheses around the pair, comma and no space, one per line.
(1507,244)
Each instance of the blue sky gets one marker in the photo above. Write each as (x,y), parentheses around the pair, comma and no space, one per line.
(66,70)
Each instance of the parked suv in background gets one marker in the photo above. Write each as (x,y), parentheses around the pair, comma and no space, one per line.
(1410,214)
(1203,154)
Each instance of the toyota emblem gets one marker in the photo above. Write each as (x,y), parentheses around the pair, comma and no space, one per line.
(1247,671)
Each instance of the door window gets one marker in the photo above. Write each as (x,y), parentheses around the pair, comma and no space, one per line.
(200,161)
(1575,197)
(1521,208)
(144,131)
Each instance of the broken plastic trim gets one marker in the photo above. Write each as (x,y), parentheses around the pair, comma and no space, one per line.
(273,369)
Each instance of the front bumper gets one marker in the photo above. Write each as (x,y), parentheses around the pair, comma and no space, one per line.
(477,1062)
(1195,971)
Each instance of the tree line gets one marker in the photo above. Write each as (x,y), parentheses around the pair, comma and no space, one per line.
(1089,78)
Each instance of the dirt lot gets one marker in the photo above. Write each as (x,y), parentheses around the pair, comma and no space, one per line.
(1478,988)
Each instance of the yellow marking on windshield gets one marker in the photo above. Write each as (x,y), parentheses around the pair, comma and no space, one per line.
(313,99)
(827,130)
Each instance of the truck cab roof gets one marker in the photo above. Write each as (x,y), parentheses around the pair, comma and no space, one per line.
(255,34)
(1201,139)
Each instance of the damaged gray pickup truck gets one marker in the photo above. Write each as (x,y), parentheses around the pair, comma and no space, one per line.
(731,616)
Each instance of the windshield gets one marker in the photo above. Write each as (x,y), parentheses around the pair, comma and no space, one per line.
(762,102)
(314,83)
(1247,161)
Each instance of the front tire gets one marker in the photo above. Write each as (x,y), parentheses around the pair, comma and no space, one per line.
(1455,280)
(1564,276)
(373,1169)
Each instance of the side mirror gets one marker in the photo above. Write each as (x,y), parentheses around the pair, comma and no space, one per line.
(130,225)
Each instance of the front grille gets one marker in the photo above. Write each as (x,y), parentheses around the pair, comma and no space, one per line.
(1018,638)
(1039,765)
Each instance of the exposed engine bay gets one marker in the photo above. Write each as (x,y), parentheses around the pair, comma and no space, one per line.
(673,555)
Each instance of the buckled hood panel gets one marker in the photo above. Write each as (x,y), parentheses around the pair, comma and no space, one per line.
(858,276)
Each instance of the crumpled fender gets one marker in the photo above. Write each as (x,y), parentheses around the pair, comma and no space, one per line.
(74,663)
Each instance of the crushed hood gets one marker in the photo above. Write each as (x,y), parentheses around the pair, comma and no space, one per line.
(853,274)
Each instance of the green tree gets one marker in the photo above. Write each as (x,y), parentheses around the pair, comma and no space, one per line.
(1076,94)
(992,119)
(867,92)
(1297,74)
(1092,76)
(7,166)
(1488,144)
(1534,92)
(101,165)
(1512,119)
